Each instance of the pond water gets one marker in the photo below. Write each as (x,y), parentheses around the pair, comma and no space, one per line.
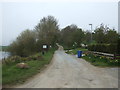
(4,55)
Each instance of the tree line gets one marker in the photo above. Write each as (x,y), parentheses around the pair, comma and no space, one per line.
(47,31)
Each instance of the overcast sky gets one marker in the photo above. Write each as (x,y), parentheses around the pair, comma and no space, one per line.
(16,17)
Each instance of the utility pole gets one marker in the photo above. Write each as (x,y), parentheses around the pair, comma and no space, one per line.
(91,31)
(118,48)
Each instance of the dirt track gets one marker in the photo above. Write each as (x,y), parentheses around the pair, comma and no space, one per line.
(66,71)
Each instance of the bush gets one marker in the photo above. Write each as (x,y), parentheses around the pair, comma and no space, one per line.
(24,45)
(12,59)
(118,46)
(18,59)
(35,57)
(106,48)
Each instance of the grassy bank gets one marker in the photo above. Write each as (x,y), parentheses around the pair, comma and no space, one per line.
(101,61)
(12,74)
(96,60)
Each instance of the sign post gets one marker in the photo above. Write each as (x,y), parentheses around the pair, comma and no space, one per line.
(45,48)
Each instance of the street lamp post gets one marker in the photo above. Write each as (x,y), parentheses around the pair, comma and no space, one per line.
(91,31)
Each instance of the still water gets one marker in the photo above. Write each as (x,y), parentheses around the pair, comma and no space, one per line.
(4,54)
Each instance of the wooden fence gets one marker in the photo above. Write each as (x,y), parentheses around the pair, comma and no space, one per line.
(111,56)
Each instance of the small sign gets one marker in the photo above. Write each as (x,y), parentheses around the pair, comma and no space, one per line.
(44,46)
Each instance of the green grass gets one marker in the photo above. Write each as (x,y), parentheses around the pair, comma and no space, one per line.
(95,60)
(74,51)
(12,75)
(101,61)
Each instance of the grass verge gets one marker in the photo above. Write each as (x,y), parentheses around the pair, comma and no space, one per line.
(101,61)
(96,60)
(12,74)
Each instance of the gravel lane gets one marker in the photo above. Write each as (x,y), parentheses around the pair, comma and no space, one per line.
(67,71)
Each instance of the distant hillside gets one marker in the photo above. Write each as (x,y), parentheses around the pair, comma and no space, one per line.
(3,48)
(0,48)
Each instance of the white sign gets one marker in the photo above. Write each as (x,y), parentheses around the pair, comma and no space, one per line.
(44,46)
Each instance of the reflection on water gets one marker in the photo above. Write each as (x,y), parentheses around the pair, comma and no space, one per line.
(4,54)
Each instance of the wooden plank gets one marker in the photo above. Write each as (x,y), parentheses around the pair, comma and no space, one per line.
(111,56)
(106,54)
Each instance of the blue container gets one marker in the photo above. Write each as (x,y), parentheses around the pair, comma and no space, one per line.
(79,54)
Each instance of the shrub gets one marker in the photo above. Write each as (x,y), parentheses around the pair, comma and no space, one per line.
(18,59)
(118,46)
(106,48)
(12,59)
